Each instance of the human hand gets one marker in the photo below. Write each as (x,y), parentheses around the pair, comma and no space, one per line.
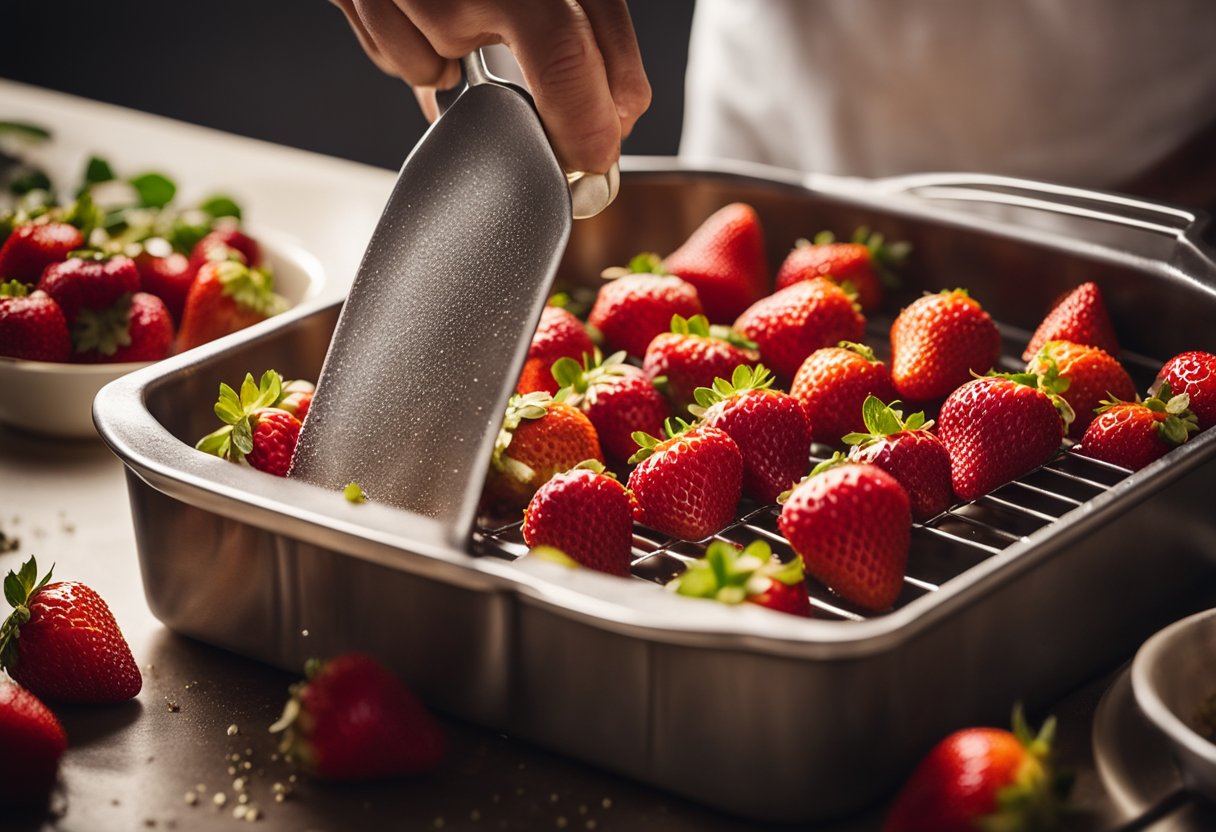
(579,58)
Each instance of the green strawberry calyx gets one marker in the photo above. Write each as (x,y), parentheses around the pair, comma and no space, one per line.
(743,378)
(553,555)
(673,427)
(860,349)
(251,289)
(520,408)
(15,289)
(20,586)
(594,369)
(292,723)
(731,574)
(1049,382)
(883,420)
(103,331)
(1037,796)
(884,256)
(699,326)
(834,461)
(647,262)
(1179,421)
(234,440)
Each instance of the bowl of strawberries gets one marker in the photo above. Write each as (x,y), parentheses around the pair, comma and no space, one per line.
(118,278)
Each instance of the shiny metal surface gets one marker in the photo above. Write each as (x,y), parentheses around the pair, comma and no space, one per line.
(624,675)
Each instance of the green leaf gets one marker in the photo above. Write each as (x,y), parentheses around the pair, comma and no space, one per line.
(568,373)
(249,392)
(97,170)
(229,407)
(24,130)
(155,190)
(217,443)
(221,206)
(31,180)
(270,388)
(242,437)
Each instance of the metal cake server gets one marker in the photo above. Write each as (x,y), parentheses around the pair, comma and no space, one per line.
(436,327)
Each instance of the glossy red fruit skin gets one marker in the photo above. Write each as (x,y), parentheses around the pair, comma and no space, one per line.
(33,328)
(1079,316)
(30,248)
(72,651)
(588,516)
(151,329)
(33,743)
(774,437)
(216,244)
(1094,376)
(631,310)
(937,342)
(957,782)
(692,361)
(832,383)
(558,335)
(1124,435)
(792,323)
(210,312)
(996,430)
(690,486)
(792,600)
(839,262)
(725,260)
(275,434)
(168,278)
(852,526)
(919,461)
(620,406)
(360,722)
(80,283)
(1194,373)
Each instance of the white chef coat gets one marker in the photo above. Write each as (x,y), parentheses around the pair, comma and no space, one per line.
(1083,92)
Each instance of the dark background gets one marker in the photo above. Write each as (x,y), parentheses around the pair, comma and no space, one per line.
(287,71)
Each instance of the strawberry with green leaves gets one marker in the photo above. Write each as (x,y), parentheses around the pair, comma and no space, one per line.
(558,335)
(984,778)
(832,384)
(632,309)
(692,355)
(254,430)
(33,246)
(587,514)
(62,642)
(89,282)
(725,260)
(1193,373)
(907,450)
(938,342)
(752,575)
(352,719)
(867,262)
(1093,377)
(32,325)
(851,524)
(1001,426)
(618,398)
(1079,316)
(137,327)
(226,296)
(770,427)
(1133,434)
(220,243)
(792,323)
(688,484)
(33,743)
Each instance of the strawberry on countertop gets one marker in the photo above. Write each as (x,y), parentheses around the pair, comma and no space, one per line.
(832,384)
(631,310)
(585,513)
(866,263)
(692,355)
(62,642)
(617,397)
(352,719)
(1079,316)
(1133,434)
(33,742)
(725,260)
(735,575)
(32,325)
(938,342)
(254,430)
(1192,373)
(226,296)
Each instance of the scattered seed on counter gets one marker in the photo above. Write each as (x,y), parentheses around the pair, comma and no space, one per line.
(191,799)
(219,799)
(233,730)
(172,706)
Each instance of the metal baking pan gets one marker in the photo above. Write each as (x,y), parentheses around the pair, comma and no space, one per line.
(1020,595)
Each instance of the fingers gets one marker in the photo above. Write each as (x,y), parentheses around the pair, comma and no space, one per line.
(401,49)
(618,44)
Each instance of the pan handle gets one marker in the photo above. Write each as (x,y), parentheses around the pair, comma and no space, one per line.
(590,193)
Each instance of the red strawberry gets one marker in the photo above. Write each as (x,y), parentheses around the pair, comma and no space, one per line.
(865,263)
(352,719)
(588,515)
(906,450)
(688,485)
(1193,373)
(938,342)
(540,436)
(999,427)
(219,244)
(253,430)
(136,328)
(725,260)
(792,323)
(983,778)
(559,335)
(93,281)
(31,247)
(692,355)
(33,741)
(832,384)
(770,428)
(1093,377)
(32,325)
(618,399)
(733,575)
(62,642)
(1133,434)
(631,310)
(1079,316)
(165,273)
(296,397)
(852,526)
(224,298)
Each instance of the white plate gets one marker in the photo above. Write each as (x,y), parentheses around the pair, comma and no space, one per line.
(57,399)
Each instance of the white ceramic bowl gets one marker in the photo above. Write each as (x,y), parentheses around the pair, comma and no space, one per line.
(55,399)
(1173,673)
